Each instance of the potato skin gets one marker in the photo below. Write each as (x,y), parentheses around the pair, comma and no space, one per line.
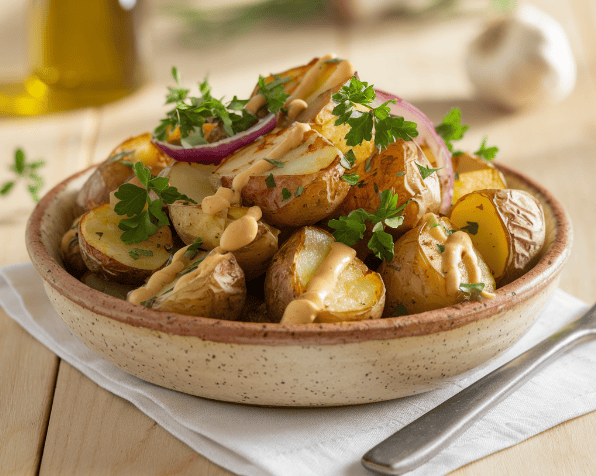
(322,193)
(414,277)
(522,220)
(217,292)
(71,251)
(395,169)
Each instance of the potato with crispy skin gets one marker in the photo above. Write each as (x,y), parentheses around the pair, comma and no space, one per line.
(211,285)
(396,168)
(71,252)
(474,173)
(507,227)
(359,293)
(191,223)
(114,171)
(107,255)
(303,188)
(415,278)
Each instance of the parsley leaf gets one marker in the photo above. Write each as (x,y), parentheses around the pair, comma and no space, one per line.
(193,248)
(24,171)
(135,253)
(472,290)
(400,174)
(285,194)
(273,92)
(143,223)
(471,228)
(487,153)
(441,248)
(277,163)
(426,171)
(387,128)
(451,128)
(400,310)
(348,160)
(352,179)
(299,191)
(270,181)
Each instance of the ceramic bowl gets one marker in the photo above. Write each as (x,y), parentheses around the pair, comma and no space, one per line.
(296,365)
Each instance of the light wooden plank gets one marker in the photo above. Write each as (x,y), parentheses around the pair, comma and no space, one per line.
(91,431)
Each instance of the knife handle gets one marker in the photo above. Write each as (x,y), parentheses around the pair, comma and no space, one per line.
(425,437)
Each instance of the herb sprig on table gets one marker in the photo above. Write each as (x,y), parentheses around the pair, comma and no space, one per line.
(25,171)
(144,222)
(349,229)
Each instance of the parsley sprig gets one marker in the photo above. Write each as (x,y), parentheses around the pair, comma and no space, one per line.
(472,290)
(487,153)
(349,229)
(273,92)
(25,171)
(451,129)
(387,128)
(143,223)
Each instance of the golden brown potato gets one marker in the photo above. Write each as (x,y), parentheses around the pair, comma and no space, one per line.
(359,293)
(71,252)
(474,173)
(211,285)
(415,280)
(396,169)
(190,223)
(507,227)
(107,255)
(311,177)
(191,179)
(112,173)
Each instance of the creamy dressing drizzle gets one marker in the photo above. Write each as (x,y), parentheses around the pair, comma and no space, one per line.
(305,308)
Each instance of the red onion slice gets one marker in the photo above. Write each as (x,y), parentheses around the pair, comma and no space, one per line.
(214,153)
(426,135)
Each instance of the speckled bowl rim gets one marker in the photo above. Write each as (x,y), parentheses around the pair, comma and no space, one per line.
(537,279)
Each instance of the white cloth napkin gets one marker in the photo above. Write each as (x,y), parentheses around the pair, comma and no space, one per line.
(257,441)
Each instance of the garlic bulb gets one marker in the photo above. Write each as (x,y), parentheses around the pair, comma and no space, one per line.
(523,60)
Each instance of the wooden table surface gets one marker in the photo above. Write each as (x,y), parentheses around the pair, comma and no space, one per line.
(53,420)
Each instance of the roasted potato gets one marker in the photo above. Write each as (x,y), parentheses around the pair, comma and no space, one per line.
(191,179)
(190,223)
(211,285)
(359,293)
(113,172)
(103,285)
(105,254)
(71,252)
(507,227)
(397,169)
(311,177)
(415,280)
(474,173)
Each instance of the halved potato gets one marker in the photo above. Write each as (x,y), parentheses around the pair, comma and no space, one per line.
(191,179)
(71,252)
(319,115)
(396,169)
(311,176)
(415,280)
(474,173)
(358,294)
(190,223)
(103,285)
(211,285)
(507,226)
(112,173)
(107,255)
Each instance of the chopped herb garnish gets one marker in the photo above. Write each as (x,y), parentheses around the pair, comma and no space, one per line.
(400,174)
(334,60)
(120,155)
(441,248)
(447,231)
(25,171)
(387,128)
(270,181)
(285,194)
(352,179)
(348,160)
(349,229)
(149,302)
(277,163)
(143,223)
(135,253)
(451,128)
(426,171)
(456,176)
(191,267)
(487,153)
(400,310)
(471,228)
(168,291)
(193,248)
(368,164)
(472,290)
(273,92)
(299,191)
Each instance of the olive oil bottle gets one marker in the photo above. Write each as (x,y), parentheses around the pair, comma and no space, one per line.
(81,52)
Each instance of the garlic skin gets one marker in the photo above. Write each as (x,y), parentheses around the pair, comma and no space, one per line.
(523,61)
